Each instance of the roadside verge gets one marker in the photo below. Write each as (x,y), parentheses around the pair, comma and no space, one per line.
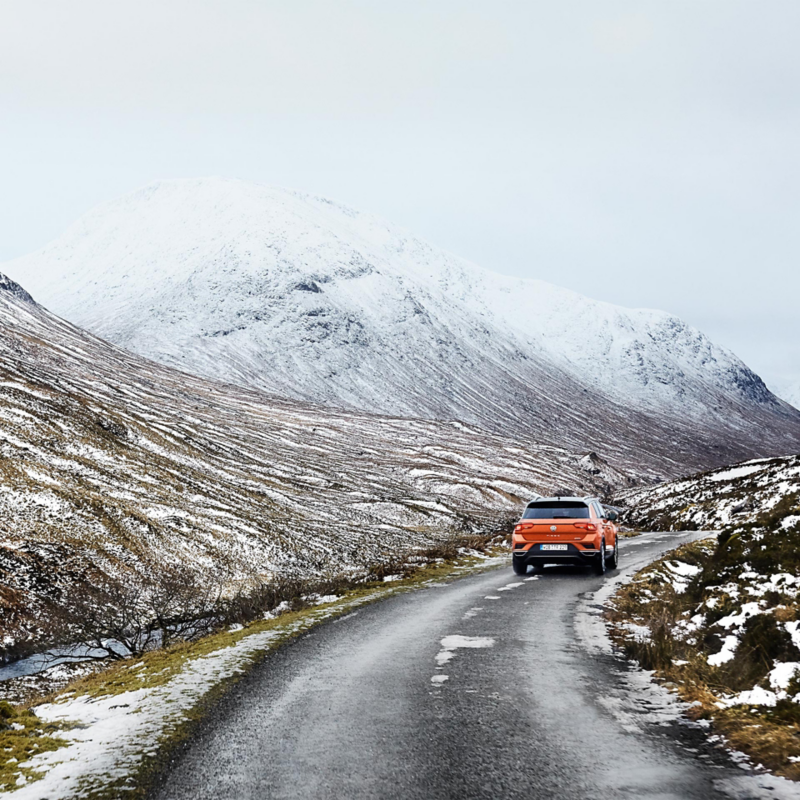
(104,736)
(716,621)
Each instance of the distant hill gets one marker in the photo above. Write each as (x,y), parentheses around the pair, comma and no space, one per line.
(790,392)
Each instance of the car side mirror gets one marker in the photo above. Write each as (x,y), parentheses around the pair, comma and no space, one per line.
(612,516)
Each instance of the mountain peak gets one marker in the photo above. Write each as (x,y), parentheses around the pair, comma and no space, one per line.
(7,286)
(306,298)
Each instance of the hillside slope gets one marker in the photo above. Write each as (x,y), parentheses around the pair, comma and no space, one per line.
(306,298)
(733,495)
(111,465)
(720,620)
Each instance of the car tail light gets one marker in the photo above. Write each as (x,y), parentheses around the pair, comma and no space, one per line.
(586,526)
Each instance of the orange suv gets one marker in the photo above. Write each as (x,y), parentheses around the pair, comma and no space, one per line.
(565,530)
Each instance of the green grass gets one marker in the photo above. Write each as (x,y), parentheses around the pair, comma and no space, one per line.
(22,736)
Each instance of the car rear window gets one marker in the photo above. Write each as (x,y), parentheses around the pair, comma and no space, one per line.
(566,509)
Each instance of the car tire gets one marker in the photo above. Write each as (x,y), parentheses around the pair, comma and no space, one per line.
(600,562)
(613,560)
(519,566)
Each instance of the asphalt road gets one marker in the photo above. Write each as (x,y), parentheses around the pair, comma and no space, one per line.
(533,704)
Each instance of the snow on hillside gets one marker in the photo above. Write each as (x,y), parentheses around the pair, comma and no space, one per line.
(790,393)
(113,465)
(733,495)
(306,298)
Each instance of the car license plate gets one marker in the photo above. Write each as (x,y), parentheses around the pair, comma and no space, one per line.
(554,547)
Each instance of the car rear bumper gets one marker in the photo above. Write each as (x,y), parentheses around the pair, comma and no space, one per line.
(572,555)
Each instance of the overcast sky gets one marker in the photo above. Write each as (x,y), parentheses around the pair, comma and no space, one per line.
(646,153)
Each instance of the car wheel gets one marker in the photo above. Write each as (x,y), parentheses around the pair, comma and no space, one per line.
(520,567)
(613,560)
(600,563)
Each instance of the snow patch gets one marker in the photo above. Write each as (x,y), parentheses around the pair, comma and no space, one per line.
(456,642)
(727,652)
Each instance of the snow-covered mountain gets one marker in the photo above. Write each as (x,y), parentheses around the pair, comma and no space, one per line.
(309,299)
(111,464)
(790,393)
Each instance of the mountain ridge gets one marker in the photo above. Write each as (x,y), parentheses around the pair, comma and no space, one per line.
(303,297)
(113,467)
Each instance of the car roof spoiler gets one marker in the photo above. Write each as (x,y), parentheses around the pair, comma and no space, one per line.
(559,497)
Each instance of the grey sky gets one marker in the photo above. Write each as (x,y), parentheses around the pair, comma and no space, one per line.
(640,152)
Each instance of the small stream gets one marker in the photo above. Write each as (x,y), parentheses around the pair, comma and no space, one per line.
(39,662)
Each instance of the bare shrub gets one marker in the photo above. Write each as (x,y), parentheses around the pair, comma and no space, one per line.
(126,618)
(259,596)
